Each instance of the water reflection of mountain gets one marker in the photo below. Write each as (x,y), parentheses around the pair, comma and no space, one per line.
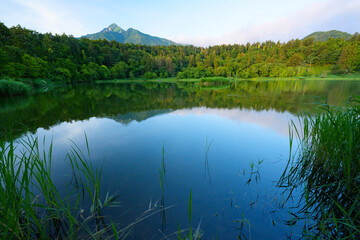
(138,116)
(125,102)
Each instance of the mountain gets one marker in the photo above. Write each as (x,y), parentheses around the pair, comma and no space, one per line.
(323,36)
(139,116)
(114,32)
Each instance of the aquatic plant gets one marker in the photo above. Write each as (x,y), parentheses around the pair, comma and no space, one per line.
(32,207)
(207,168)
(326,170)
(162,182)
(189,236)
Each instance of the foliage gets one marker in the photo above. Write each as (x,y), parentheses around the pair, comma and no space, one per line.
(327,170)
(27,54)
(12,88)
(324,36)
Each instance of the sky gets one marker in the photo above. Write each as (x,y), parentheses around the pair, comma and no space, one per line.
(197,22)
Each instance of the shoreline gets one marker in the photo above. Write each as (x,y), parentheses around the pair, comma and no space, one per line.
(174,80)
(47,85)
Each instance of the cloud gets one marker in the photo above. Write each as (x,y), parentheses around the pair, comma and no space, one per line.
(315,17)
(81,17)
(277,122)
(48,16)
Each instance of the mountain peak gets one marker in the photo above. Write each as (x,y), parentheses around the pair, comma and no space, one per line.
(114,32)
(132,30)
(113,28)
(113,25)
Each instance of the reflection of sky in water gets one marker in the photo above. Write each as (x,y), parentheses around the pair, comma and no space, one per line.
(278,122)
(131,155)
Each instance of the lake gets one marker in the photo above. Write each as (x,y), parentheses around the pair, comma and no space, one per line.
(228,144)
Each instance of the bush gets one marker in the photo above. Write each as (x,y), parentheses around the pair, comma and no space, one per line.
(38,83)
(180,75)
(12,88)
(148,75)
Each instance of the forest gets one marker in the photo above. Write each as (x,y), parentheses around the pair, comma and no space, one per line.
(30,56)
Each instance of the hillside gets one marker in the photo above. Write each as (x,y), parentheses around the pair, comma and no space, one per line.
(32,56)
(324,36)
(114,32)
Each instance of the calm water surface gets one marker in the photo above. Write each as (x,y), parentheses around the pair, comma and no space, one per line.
(128,125)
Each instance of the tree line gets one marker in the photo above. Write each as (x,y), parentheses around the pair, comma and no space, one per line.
(27,54)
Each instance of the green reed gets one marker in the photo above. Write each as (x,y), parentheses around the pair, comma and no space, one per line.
(33,208)
(162,175)
(207,168)
(190,235)
(326,169)
(31,205)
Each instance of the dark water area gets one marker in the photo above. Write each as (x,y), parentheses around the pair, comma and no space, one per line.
(228,144)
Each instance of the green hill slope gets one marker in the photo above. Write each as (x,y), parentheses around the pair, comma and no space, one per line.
(114,32)
(324,36)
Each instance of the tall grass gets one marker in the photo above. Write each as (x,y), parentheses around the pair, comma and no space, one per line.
(189,236)
(13,88)
(33,208)
(327,171)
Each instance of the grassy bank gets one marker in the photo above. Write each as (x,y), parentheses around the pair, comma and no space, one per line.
(352,77)
(141,80)
(224,79)
(21,87)
(215,80)
(327,171)
(10,88)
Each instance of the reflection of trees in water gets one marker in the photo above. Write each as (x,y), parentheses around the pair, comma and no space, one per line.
(114,100)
